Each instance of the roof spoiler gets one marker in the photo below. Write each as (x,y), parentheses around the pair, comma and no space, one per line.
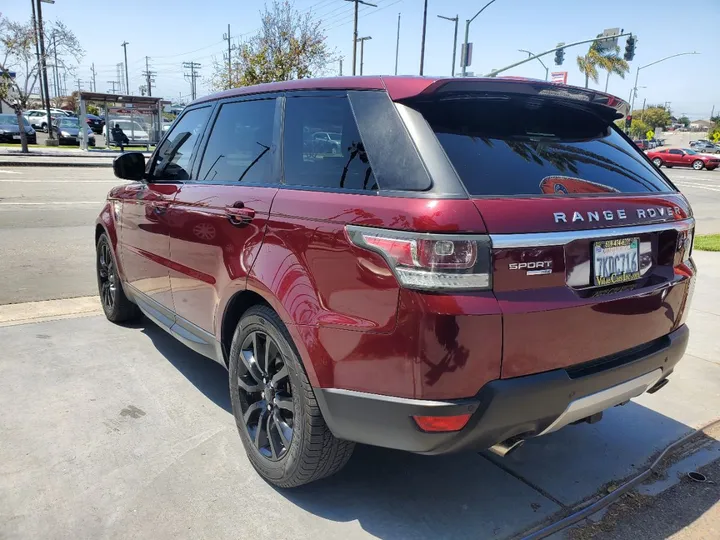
(528,87)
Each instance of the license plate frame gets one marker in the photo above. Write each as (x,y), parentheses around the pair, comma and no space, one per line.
(615,261)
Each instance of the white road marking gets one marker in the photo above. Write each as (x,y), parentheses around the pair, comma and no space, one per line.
(54,203)
(698,186)
(8,172)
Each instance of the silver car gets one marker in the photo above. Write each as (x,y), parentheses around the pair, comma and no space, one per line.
(68,131)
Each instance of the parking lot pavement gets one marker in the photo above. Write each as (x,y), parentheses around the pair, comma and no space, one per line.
(702,188)
(122,432)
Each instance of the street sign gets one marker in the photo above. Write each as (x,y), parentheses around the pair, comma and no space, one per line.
(10,74)
(606,44)
(466,55)
(650,134)
(559,77)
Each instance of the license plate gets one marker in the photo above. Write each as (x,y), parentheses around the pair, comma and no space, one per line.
(616,261)
(16,137)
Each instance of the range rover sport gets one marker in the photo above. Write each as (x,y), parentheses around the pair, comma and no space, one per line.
(474,263)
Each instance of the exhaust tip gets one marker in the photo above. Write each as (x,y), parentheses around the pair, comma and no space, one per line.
(658,385)
(503,449)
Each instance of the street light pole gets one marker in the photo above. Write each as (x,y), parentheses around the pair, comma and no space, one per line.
(124,45)
(422,40)
(547,70)
(37,50)
(397,45)
(362,41)
(454,19)
(637,74)
(467,34)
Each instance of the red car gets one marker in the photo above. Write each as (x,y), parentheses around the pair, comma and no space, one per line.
(479,261)
(683,157)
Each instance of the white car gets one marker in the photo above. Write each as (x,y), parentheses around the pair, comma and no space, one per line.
(134,131)
(38,118)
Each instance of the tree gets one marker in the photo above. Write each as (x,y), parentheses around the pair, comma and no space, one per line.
(639,129)
(654,116)
(684,120)
(17,54)
(290,45)
(608,60)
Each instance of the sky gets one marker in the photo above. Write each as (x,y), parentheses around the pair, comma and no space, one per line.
(171,32)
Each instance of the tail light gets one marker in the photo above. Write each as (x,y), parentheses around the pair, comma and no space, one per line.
(430,261)
(684,244)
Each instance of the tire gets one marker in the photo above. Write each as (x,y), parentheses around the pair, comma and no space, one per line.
(44,127)
(117,307)
(669,166)
(294,446)
(658,162)
(698,165)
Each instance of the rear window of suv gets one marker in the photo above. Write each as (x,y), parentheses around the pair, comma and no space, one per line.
(532,146)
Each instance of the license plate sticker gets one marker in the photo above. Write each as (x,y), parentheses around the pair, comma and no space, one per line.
(616,261)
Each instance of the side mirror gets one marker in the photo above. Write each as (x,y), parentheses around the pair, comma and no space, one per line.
(130,166)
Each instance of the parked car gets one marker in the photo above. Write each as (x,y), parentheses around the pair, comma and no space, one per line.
(705,147)
(95,123)
(326,142)
(69,132)
(484,261)
(642,144)
(134,130)
(38,118)
(10,129)
(683,157)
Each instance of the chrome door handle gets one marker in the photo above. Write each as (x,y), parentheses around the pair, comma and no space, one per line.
(239,215)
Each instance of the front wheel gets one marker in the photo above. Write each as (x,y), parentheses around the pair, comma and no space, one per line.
(280,424)
(698,164)
(117,307)
(44,127)
(658,162)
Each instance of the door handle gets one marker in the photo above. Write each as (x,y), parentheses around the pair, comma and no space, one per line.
(238,215)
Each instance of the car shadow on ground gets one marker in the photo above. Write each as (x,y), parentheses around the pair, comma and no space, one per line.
(398,495)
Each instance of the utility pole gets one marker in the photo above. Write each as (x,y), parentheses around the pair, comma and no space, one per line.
(454,19)
(113,85)
(712,113)
(43,65)
(362,41)
(397,45)
(193,67)
(79,82)
(94,83)
(149,76)
(57,66)
(127,80)
(226,37)
(422,41)
(37,50)
(355,32)
(341,67)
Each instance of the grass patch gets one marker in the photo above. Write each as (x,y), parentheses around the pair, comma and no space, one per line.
(708,242)
(17,145)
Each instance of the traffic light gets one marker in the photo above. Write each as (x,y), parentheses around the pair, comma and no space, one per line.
(628,121)
(559,55)
(630,48)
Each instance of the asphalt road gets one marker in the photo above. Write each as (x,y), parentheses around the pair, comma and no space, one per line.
(47,216)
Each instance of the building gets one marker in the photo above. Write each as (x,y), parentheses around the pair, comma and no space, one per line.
(700,125)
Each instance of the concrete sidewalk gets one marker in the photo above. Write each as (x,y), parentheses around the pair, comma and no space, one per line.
(122,432)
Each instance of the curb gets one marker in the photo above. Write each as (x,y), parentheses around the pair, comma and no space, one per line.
(24,163)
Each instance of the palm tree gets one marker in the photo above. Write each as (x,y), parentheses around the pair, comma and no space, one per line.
(608,59)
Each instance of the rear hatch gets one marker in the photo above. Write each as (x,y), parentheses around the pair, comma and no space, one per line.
(590,242)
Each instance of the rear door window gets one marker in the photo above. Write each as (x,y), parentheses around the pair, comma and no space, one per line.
(314,159)
(504,146)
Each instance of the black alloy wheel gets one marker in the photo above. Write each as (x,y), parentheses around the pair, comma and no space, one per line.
(265,394)
(106,276)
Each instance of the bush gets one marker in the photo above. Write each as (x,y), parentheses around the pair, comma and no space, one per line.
(92,109)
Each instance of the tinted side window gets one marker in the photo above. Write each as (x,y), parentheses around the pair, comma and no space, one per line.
(240,145)
(678,152)
(336,157)
(172,160)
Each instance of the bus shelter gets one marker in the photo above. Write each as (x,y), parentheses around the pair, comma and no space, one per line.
(140,117)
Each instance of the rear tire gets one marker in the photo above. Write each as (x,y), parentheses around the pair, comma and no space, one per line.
(44,127)
(698,165)
(282,429)
(117,307)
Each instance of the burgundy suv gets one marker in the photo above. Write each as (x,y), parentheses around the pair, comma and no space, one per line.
(475,263)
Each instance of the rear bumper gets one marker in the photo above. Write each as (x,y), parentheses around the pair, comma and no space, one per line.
(520,407)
